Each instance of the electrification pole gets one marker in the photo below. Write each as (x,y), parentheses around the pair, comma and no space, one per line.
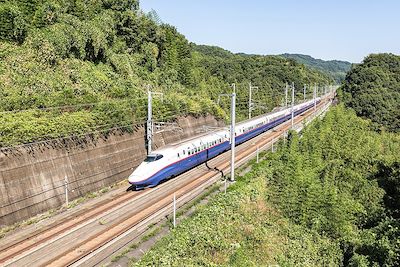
(286,95)
(149,121)
(304,92)
(66,190)
(233,119)
(149,133)
(315,96)
(232,128)
(174,211)
(292,103)
(251,104)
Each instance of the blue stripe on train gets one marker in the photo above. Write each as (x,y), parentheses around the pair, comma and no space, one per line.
(194,160)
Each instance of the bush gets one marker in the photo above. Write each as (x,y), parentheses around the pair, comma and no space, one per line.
(12,23)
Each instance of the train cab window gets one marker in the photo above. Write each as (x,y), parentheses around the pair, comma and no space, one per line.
(151,158)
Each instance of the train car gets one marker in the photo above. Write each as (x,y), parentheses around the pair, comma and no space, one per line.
(172,160)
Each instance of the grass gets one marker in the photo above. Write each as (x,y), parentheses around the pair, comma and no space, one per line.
(167,223)
(211,237)
(198,199)
(136,245)
(151,234)
(102,222)
(30,221)
(119,256)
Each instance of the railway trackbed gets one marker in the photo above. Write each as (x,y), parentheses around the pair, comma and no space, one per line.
(89,237)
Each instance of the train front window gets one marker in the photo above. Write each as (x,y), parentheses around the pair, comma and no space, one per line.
(151,158)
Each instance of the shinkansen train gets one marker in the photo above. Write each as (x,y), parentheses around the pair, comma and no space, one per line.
(172,160)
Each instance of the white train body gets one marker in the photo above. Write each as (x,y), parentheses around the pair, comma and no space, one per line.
(174,159)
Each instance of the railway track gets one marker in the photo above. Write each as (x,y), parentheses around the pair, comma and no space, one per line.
(75,238)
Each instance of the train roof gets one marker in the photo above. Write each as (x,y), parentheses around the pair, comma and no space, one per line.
(216,130)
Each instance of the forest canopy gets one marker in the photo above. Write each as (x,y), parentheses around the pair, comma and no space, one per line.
(71,67)
(372,89)
(337,69)
(329,197)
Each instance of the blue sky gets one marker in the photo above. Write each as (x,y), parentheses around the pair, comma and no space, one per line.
(327,29)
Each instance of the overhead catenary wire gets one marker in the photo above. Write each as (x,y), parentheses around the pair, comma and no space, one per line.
(133,124)
(116,127)
(74,181)
(71,106)
(85,177)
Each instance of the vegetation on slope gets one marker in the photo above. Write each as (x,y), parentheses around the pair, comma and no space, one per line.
(268,73)
(336,69)
(71,67)
(372,89)
(329,198)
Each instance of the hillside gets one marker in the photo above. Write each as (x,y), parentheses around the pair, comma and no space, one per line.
(329,198)
(334,68)
(372,89)
(71,68)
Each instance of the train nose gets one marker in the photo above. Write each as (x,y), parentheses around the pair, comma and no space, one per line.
(134,178)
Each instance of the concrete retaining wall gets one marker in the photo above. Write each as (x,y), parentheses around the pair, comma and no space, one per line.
(32,177)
